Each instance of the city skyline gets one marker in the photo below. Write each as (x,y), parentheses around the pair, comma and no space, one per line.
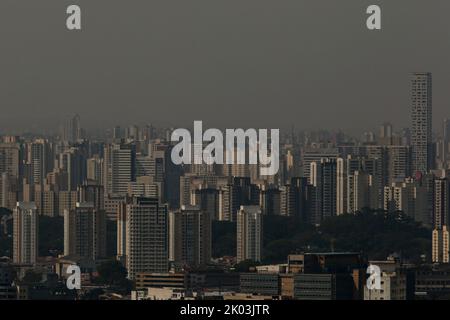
(125,203)
(224,150)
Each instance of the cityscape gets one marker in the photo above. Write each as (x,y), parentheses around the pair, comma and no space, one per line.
(111,217)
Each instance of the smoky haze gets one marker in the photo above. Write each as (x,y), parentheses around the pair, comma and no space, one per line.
(231,63)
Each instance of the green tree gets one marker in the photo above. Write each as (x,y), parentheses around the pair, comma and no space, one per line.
(244,266)
(113,273)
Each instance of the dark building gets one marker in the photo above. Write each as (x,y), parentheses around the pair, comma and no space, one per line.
(243,193)
(300,198)
(327,276)
(208,201)
(92,192)
(330,262)
(260,283)
(271,199)
(7,289)
(432,282)
(323,286)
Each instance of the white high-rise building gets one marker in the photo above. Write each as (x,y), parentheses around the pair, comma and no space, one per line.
(119,168)
(421,133)
(401,196)
(249,233)
(25,241)
(143,241)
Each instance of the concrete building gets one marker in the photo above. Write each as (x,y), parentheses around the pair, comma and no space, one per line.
(324,286)
(440,236)
(85,232)
(146,186)
(401,196)
(323,176)
(249,233)
(119,168)
(392,281)
(432,282)
(146,280)
(359,191)
(7,288)
(441,246)
(25,231)
(143,236)
(94,167)
(208,200)
(311,155)
(268,284)
(190,236)
(10,159)
(421,114)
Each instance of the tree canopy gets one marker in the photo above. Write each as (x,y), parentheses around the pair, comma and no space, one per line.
(375,234)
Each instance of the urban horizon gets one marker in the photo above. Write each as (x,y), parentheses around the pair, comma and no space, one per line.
(208,159)
(121,218)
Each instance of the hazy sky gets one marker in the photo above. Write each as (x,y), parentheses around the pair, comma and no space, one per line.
(230,63)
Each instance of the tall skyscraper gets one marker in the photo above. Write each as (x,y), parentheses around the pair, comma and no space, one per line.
(92,192)
(398,163)
(85,231)
(8,188)
(39,161)
(25,241)
(386,134)
(243,193)
(311,155)
(143,222)
(323,176)
(440,248)
(345,168)
(445,149)
(359,187)
(119,167)
(94,169)
(73,163)
(297,198)
(190,236)
(421,133)
(10,159)
(249,233)
(71,131)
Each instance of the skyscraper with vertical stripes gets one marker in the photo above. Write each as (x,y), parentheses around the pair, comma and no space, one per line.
(421,114)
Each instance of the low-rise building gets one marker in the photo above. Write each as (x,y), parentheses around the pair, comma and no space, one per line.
(392,282)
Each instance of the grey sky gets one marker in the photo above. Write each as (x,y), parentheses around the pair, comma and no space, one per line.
(230,63)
